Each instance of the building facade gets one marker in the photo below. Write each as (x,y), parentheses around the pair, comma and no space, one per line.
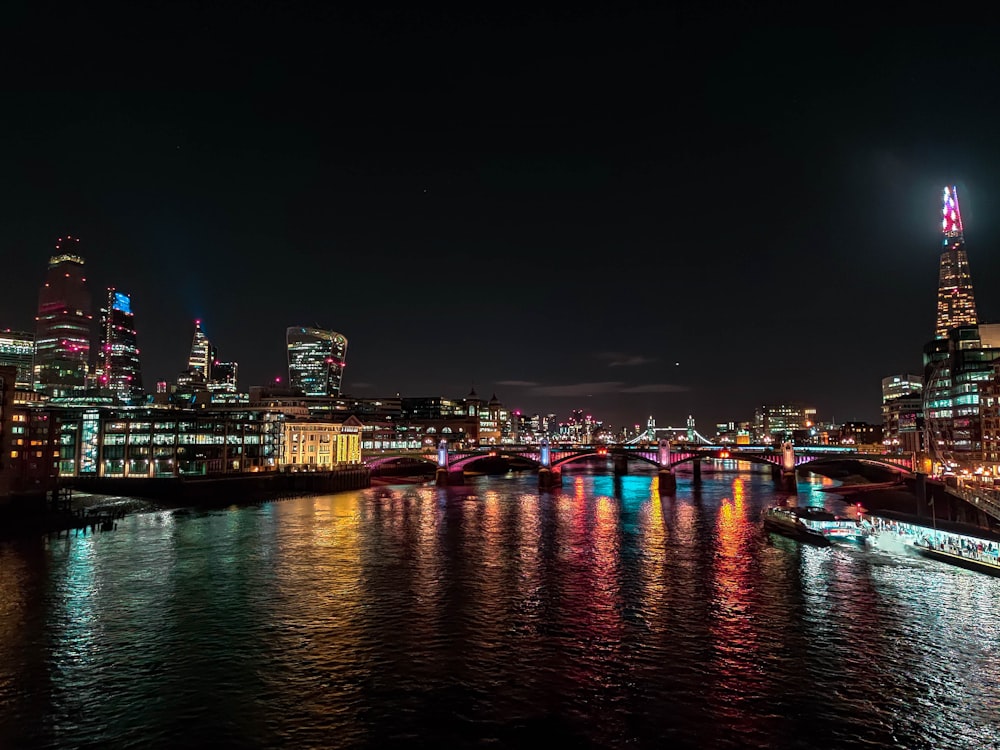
(777,422)
(316,360)
(956,301)
(320,446)
(17,349)
(200,359)
(118,371)
(64,321)
(150,441)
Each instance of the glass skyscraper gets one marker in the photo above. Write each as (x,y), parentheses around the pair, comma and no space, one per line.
(316,360)
(956,303)
(118,360)
(62,339)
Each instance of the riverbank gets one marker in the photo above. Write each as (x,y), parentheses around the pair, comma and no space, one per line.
(96,503)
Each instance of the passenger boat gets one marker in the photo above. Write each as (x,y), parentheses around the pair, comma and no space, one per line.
(952,542)
(968,560)
(812,525)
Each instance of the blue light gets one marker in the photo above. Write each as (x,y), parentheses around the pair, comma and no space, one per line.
(123,303)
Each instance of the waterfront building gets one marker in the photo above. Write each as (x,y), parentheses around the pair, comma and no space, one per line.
(903,423)
(492,419)
(167,441)
(956,301)
(29,442)
(436,407)
(319,445)
(63,332)
(866,437)
(316,360)
(118,369)
(17,349)
(777,422)
(955,369)
(903,413)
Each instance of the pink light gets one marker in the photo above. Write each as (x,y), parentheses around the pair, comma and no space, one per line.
(951,215)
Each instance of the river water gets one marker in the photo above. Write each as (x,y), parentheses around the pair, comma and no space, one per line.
(492,616)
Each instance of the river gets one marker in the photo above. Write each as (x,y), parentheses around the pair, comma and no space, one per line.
(492,615)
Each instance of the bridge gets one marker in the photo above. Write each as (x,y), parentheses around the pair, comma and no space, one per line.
(550,459)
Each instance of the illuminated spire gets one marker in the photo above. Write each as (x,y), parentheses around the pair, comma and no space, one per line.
(951,216)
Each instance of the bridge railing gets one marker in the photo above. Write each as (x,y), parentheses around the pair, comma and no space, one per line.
(984,499)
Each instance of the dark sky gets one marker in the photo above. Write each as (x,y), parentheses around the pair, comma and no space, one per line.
(624,211)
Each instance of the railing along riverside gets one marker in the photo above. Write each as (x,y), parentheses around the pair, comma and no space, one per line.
(989,503)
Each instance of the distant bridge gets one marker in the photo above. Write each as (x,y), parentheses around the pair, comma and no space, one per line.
(550,459)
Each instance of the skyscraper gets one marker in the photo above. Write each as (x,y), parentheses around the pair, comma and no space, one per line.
(62,339)
(17,349)
(118,360)
(956,303)
(200,359)
(316,360)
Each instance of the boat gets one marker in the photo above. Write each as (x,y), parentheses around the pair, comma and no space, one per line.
(980,564)
(969,560)
(812,525)
(953,542)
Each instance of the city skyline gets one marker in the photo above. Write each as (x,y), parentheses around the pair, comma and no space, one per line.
(608,227)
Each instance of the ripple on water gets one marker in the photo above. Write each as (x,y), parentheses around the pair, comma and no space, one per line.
(600,615)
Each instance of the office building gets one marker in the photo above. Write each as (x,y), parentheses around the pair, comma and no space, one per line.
(956,302)
(223,377)
(17,349)
(117,366)
(778,422)
(316,360)
(895,386)
(64,321)
(903,413)
(200,359)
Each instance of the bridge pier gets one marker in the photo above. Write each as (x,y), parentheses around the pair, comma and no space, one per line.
(620,464)
(696,472)
(549,478)
(667,482)
(788,483)
(444,477)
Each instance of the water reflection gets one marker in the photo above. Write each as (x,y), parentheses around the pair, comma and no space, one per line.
(599,614)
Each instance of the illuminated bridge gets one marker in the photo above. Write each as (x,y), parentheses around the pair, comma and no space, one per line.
(451,463)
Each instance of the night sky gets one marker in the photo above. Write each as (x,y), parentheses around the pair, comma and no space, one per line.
(622,211)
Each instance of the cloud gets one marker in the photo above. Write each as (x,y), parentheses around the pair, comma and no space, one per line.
(656,388)
(605,387)
(517,383)
(620,359)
